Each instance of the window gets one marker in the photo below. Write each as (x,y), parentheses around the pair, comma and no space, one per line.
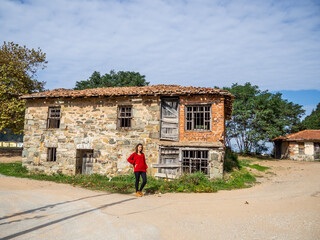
(124,116)
(52,154)
(301,148)
(53,117)
(198,117)
(194,161)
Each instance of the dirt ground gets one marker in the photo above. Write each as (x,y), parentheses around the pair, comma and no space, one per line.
(285,205)
(9,158)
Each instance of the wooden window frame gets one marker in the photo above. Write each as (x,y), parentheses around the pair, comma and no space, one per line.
(162,116)
(301,148)
(187,121)
(52,154)
(125,117)
(53,121)
(204,158)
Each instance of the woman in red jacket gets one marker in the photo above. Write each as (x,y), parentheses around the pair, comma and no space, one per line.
(140,166)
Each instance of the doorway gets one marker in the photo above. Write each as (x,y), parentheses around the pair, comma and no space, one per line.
(317,151)
(84,161)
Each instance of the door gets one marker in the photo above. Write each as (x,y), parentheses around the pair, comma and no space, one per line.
(169,119)
(278,146)
(84,161)
(317,151)
(87,163)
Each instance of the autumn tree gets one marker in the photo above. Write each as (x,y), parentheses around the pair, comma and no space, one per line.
(112,79)
(18,67)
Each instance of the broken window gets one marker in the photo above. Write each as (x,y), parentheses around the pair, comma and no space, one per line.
(54,117)
(301,148)
(124,116)
(169,165)
(198,117)
(52,154)
(195,161)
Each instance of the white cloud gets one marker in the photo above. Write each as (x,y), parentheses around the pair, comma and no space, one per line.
(273,44)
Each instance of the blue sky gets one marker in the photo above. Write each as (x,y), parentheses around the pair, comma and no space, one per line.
(272,44)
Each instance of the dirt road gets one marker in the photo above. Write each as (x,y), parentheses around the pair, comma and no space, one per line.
(285,206)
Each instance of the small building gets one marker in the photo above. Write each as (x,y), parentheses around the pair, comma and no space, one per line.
(95,130)
(301,146)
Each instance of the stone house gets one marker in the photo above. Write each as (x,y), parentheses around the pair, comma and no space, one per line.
(303,145)
(95,130)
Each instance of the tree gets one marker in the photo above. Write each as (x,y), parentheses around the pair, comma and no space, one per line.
(259,116)
(313,120)
(18,67)
(112,79)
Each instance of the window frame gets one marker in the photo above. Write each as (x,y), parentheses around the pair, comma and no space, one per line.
(301,148)
(120,117)
(194,158)
(52,156)
(186,121)
(53,118)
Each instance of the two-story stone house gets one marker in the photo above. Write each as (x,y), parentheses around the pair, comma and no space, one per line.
(95,130)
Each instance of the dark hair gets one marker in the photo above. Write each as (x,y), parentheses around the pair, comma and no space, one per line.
(138,146)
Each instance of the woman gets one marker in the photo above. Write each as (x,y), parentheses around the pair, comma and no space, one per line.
(139,162)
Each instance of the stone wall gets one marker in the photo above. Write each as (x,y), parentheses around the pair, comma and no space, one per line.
(90,124)
(295,155)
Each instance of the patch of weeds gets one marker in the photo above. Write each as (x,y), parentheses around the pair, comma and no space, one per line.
(246,163)
(196,182)
(13,169)
(258,167)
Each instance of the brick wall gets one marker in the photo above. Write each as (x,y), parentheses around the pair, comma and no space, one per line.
(216,134)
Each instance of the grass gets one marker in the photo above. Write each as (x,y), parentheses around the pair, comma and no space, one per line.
(196,182)
(246,163)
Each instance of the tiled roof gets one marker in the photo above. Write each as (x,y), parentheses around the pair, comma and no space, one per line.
(152,90)
(302,135)
(161,89)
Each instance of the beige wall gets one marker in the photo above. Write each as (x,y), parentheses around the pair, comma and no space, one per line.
(294,151)
(90,123)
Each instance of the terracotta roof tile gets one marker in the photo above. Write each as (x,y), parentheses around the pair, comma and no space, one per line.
(302,135)
(118,91)
(153,90)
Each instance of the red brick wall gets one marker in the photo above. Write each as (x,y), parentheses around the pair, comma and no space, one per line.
(217,132)
(292,148)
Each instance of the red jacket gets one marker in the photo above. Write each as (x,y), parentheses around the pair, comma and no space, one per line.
(139,162)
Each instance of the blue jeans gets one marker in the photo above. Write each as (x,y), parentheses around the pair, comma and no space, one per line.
(144,180)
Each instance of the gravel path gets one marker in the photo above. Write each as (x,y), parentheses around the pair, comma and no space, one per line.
(286,205)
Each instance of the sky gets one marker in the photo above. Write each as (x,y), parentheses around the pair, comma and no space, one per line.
(206,43)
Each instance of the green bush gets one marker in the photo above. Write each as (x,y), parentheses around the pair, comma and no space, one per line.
(230,160)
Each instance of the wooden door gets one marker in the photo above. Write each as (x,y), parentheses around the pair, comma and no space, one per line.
(317,150)
(87,163)
(169,119)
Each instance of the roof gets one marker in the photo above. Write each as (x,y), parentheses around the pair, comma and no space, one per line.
(160,89)
(302,135)
(152,90)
